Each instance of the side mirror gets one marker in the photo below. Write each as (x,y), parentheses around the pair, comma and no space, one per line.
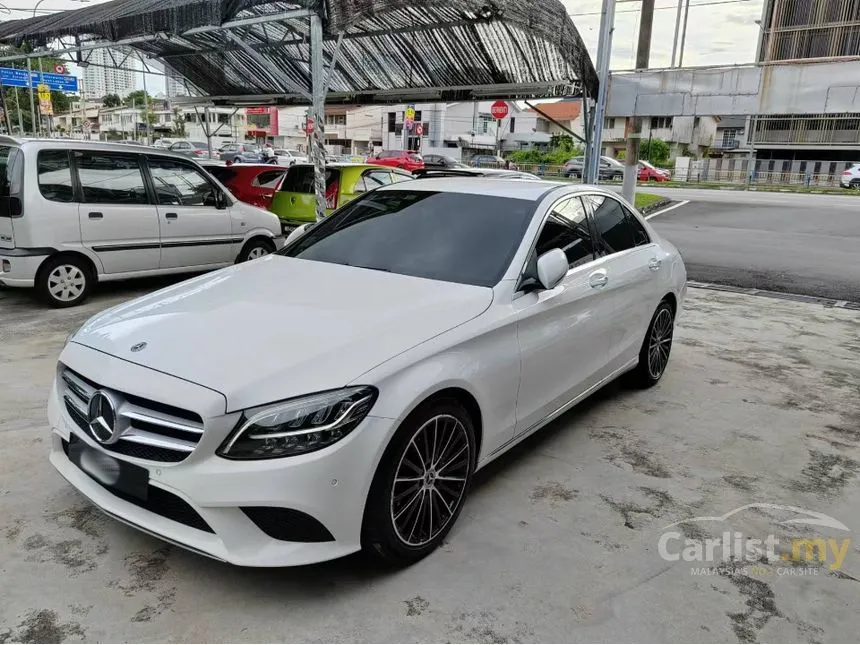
(552,266)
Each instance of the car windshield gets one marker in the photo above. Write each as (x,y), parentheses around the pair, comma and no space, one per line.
(199,144)
(454,237)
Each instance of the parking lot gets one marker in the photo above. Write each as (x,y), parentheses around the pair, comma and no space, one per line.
(558,540)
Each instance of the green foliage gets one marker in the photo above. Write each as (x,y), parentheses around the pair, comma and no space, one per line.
(137,99)
(111,100)
(656,151)
(562,148)
(178,124)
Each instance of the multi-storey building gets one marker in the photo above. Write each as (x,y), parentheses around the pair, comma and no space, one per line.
(102,76)
(808,31)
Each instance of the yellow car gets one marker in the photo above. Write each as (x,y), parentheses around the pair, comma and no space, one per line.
(295,201)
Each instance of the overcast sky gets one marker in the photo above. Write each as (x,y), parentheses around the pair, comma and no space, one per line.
(718,32)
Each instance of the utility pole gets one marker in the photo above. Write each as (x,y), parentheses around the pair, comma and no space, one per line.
(33,124)
(684,34)
(677,31)
(634,137)
(604,53)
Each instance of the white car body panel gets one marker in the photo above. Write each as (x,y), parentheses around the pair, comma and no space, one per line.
(281,327)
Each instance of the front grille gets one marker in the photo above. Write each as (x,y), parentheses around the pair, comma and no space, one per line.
(154,431)
(160,502)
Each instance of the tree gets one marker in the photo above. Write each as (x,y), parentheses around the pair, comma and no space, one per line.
(655,150)
(137,99)
(111,100)
(178,124)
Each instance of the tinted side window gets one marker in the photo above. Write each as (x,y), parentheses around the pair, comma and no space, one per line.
(268,179)
(55,175)
(224,174)
(640,235)
(613,226)
(377,178)
(110,178)
(299,179)
(566,228)
(179,184)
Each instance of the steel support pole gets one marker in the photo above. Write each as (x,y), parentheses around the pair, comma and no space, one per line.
(318,92)
(146,109)
(677,32)
(33,123)
(684,34)
(604,53)
(634,136)
(83,107)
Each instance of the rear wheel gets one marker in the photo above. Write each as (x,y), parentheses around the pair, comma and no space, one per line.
(64,281)
(421,484)
(256,248)
(654,354)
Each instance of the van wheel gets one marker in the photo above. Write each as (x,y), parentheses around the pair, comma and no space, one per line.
(256,248)
(64,281)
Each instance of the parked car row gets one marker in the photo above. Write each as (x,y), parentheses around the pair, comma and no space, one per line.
(75,213)
(613,170)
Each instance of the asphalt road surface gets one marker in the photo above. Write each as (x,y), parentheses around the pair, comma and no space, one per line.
(792,243)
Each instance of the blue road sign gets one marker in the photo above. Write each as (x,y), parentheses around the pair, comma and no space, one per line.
(11,77)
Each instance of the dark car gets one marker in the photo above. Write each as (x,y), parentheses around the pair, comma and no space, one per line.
(609,169)
(442,161)
(253,184)
(240,152)
(194,149)
(487,161)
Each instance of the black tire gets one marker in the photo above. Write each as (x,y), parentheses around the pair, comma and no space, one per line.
(256,248)
(652,366)
(393,506)
(64,281)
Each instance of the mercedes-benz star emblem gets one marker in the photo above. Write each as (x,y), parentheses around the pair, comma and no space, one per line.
(139,346)
(103,418)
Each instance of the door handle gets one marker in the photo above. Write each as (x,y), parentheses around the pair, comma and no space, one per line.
(171,216)
(598,279)
(655,264)
(95,215)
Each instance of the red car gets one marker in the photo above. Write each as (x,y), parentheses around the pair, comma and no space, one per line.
(647,172)
(254,184)
(398,159)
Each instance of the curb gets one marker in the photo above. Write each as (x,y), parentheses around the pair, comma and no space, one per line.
(656,206)
(779,295)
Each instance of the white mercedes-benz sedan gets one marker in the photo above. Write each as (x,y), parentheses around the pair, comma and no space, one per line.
(341,393)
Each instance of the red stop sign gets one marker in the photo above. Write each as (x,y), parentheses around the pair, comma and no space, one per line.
(499,110)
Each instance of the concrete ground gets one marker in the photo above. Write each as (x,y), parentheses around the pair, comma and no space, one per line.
(558,540)
(795,243)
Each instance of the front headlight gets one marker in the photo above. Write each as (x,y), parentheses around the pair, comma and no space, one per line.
(300,425)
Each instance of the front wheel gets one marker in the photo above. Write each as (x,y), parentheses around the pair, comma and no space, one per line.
(420,486)
(654,354)
(256,249)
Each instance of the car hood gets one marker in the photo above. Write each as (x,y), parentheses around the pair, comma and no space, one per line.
(280,327)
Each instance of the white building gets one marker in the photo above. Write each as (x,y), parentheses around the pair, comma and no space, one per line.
(128,123)
(174,84)
(101,77)
(686,135)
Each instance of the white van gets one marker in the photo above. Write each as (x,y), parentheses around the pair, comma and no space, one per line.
(73,213)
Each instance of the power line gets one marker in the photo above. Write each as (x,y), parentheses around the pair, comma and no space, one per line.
(699,4)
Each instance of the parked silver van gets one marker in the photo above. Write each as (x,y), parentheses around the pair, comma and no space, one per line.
(74,213)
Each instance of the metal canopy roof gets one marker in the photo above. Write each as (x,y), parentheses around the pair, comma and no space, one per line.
(258,51)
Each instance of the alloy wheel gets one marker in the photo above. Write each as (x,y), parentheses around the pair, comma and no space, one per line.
(660,342)
(430,480)
(66,282)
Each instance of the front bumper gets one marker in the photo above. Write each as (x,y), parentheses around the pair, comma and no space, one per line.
(330,485)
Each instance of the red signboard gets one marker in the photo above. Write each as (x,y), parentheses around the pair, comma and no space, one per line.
(419,130)
(309,125)
(499,110)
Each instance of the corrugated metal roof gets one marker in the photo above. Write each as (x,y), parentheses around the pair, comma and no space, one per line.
(391,50)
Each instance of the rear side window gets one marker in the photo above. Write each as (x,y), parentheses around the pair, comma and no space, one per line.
(300,179)
(110,178)
(55,175)
(268,179)
(618,230)
(179,184)
(221,173)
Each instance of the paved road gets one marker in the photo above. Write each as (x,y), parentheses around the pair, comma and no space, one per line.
(795,243)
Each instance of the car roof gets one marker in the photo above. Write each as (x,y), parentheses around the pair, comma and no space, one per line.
(105,146)
(514,188)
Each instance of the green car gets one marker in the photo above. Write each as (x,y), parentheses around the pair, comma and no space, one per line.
(295,203)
